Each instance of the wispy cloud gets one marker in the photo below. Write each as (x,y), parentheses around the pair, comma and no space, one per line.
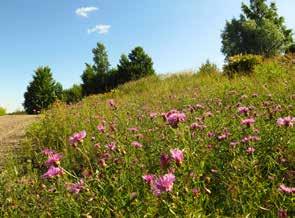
(84,11)
(101,29)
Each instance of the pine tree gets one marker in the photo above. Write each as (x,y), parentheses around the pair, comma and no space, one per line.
(42,91)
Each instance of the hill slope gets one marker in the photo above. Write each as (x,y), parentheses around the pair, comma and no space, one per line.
(206,145)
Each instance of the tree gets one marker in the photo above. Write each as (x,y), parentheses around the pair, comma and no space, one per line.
(137,65)
(259,30)
(94,77)
(73,94)
(42,91)
(208,68)
(2,111)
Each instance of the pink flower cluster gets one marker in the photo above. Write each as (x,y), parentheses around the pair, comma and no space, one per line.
(177,155)
(248,122)
(160,184)
(77,138)
(286,189)
(243,110)
(52,162)
(174,117)
(76,187)
(286,121)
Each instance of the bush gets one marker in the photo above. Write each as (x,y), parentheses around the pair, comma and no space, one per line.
(208,69)
(73,94)
(2,111)
(242,64)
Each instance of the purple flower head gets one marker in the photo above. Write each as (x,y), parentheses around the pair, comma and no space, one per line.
(177,155)
(243,110)
(174,117)
(286,121)
(286,189)
(53,160)
(77,137)
(148,178)
(250,150)
(52,172)
(195,126)
(282,213)
(48,152)
(136,144)
(248,122)
(163,184)
(76,187)
(101,128)
(112,146)
(224,135)
(164,160)
(112,103)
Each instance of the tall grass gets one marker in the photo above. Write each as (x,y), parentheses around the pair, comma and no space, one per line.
(217,178)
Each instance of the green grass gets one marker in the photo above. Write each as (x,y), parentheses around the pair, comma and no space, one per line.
(231,182)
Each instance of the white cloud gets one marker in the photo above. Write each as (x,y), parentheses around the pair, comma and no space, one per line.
(101,29)
(84,11)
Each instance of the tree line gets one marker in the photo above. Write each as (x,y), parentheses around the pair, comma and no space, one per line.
(259,30)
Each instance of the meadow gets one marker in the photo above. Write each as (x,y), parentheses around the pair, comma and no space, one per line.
(182,145)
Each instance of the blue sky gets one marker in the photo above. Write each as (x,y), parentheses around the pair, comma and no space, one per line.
(178,35)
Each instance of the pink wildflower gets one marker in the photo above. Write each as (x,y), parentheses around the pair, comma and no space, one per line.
(243,110)
(111,103)
(282,213)
(174,117)
(153,115)
(196,192)
(133,129)
(224,135)
(197,126)
(48,152)
(250,150)
(164,160)
(163,184)
(285,189)
(112,146)
(53,160)
(52,172)
(76,187)
(286,121)
(101,128)
(77,137)
(149,178)
(250,138)
(177,155)
(136,144)
(248,122)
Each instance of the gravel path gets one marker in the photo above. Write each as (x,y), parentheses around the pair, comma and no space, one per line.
(12,129)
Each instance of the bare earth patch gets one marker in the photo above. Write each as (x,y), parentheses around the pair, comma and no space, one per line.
(12,129)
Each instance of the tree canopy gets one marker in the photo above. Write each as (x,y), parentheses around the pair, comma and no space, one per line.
(259,30)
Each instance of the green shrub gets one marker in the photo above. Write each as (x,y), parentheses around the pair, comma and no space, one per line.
(2,111)
(242,64)
(208,68)
(73,94)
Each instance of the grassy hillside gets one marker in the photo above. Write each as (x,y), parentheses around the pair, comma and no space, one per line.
(238,156)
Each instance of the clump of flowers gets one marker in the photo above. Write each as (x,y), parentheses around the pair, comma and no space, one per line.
(248,122)
(177,155)
(174,117)
(250,150)
(101,128)
(76,187)
(164,160)
(286,189)
(136,144)
(53,159)
(286,121)
(77,138)
(112,146)
(52,172)
(243,110)
(160,184)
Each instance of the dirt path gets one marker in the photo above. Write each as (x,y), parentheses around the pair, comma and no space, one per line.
(12,129)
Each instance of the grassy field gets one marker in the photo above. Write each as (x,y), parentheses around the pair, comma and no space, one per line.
(184,145)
